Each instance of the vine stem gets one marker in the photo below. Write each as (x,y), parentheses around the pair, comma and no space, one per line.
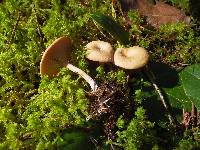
(151,77)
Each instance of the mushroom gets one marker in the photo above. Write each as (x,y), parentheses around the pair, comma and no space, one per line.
(56,56)
(137,57)
(100,51)
(131,58)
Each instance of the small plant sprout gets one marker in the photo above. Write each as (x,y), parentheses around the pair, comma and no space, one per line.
(100,51)
(131,58)
(56,56)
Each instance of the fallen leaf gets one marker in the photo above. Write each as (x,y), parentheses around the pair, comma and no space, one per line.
(142,6)
(156,14)
(162,13)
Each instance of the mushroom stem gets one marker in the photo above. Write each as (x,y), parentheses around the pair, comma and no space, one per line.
(91,82)
(57,56)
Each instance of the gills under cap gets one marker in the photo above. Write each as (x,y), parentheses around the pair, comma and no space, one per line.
(100,51)
(55,56)
(131,58)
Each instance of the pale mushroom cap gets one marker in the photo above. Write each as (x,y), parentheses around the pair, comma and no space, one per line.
(55,57)
(100,51)
(131,58)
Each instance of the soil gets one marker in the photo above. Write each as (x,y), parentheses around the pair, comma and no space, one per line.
(107,103)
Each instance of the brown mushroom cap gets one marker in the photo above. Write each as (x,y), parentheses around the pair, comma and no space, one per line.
(131,58)
(100,51)
(55,57)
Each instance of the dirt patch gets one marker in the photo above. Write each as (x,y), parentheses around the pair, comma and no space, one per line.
(107,103)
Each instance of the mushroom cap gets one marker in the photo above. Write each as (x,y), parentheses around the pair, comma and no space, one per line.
(56,56)
(131,58)
(100,51)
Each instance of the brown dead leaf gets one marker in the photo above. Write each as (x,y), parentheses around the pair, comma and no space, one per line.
(162,13)
(142,6)
(157,14)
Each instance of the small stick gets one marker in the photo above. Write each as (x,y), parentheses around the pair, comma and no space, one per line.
(13,31)
(38,27)
(151,76)
(111,145)
(194,116)
(186,119)
(95,142)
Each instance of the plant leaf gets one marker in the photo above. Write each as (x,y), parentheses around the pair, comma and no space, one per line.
(190,78)
(188,89)
(168,79)
(177,98)
(158,14)
(162,13)
(75,139)
(112,27)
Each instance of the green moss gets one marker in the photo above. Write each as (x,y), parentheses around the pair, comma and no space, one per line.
(172,44)
(138,134)
(118,76)
(189,140)
(60,102)
(35,111)
(183,4)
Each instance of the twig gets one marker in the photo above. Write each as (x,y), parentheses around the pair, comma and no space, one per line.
(95,142)
(151,76)
(13,31)
(111,145)
(186,119)
(38,27)
(194,116)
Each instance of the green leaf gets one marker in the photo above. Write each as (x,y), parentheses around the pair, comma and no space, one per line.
(178,98)
(190,78)
(75,139)
(112,27)
(188,90)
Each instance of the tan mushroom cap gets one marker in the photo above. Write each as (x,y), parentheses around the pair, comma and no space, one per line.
(55,57)
(131,58)
(100,51)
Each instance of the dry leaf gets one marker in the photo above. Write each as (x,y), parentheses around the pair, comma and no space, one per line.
(162,13)
(157,14)
(142,6)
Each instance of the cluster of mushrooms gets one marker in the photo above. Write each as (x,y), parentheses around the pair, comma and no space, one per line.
(128,58)
(57,56)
